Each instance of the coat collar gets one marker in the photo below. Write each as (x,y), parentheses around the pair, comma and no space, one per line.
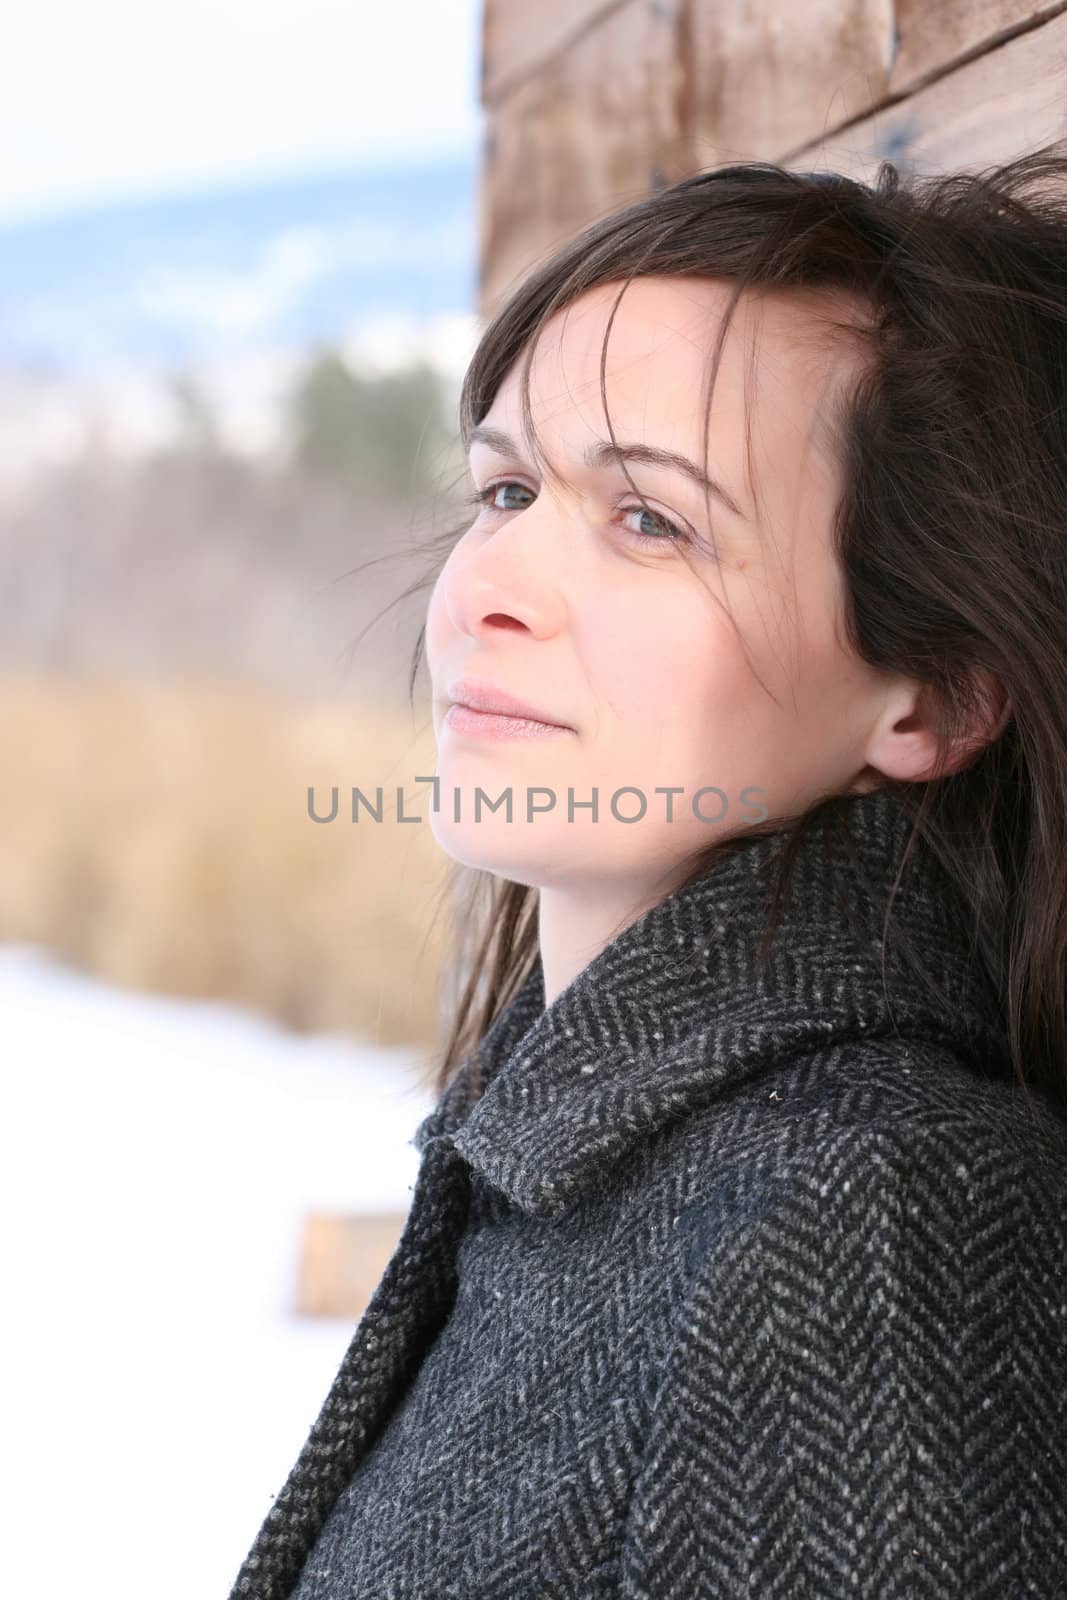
(643,1035)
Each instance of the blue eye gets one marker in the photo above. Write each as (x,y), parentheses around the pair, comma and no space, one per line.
(673,534)
(485,497)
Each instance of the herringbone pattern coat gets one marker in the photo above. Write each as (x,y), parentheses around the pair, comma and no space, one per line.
(734,1282)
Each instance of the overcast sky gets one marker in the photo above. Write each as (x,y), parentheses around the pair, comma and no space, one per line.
(119,98)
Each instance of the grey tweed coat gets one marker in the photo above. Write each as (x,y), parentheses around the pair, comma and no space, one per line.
(733,1282)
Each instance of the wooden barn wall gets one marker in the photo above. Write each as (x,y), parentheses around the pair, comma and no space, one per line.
(590,104)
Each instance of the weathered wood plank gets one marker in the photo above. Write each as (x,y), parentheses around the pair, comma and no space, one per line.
(600,125)
(518,38)
(767,80)
(763,77)
(657,89)
(996,106)
(931,39)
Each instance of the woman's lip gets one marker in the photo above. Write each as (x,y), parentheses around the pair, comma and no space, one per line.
(497,725)
(478,695)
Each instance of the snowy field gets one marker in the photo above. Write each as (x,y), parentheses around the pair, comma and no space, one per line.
(157,1158)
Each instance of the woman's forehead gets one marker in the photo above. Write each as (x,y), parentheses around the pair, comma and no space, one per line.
(663,332)
(776,366)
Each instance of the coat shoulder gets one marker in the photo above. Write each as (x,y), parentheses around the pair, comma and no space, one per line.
(878,1123)
(920,1097)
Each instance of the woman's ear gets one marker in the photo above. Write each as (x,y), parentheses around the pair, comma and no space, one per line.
(995,709)
(998,707)
(904,743)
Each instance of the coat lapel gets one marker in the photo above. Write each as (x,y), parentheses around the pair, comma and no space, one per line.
(684,1006)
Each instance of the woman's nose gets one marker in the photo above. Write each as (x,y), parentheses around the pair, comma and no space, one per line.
(509,580)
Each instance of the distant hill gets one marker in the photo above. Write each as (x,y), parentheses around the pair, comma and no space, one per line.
(156,284)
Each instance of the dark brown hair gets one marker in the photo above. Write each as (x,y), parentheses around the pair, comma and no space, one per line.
(950,530)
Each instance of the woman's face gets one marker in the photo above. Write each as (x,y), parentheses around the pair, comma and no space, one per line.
(616,623)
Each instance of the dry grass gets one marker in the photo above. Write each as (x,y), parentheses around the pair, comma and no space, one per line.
(157,835)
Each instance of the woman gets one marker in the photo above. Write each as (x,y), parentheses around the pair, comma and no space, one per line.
(737,1260)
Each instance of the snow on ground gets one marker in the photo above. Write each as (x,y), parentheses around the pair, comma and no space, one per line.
(156,1159)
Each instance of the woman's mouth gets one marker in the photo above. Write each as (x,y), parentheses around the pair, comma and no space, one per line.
(464,719)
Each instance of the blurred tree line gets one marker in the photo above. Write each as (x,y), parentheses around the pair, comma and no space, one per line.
(389,436)
(197,557)
(384,434)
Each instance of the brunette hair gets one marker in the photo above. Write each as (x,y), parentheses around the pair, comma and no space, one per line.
(951,529)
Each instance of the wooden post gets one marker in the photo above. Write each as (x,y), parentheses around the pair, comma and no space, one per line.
(342,1259)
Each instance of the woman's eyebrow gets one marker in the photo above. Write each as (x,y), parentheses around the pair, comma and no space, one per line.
(605,455)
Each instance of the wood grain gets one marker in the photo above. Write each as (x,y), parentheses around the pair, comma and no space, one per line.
(519,38)
(592,106)
(601,124)
(996,106)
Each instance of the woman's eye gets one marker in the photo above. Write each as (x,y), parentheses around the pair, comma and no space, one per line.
(487,495)
(673,533)
(670,532)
